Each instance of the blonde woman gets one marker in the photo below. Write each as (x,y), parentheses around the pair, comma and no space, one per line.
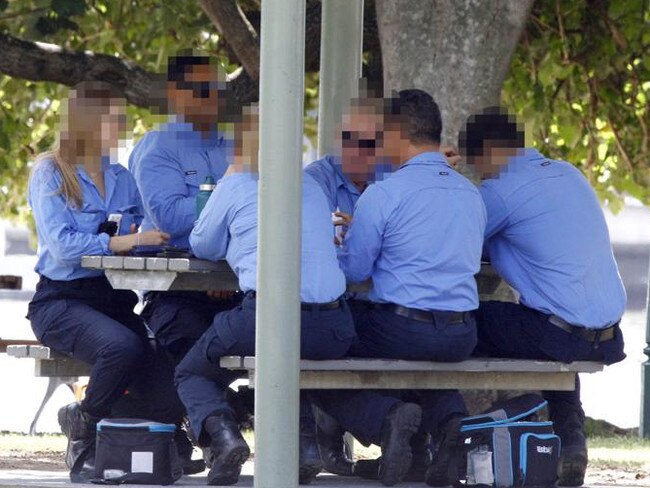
(72,192)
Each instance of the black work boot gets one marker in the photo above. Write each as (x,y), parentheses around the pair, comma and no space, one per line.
(573,456)
(438,473)
(421,457)
(185,451)
(81,431)
(369,468)
(229,449)
(310,463)
(331,446)
(401,423)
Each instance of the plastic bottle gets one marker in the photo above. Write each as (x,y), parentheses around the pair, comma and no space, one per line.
(205,190)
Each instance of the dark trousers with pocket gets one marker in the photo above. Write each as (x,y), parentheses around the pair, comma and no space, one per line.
(88,320)
(511,330)
(384,334)
(179,318)
(201,382)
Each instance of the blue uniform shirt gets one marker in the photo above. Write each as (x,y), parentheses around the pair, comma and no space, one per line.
(66,234)
(169,164)
(227,229)
(339,190)
(547,237)
(418,235)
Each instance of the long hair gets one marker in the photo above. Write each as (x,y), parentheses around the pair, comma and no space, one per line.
(80,122)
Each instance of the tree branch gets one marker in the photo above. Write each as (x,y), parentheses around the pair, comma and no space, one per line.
(235,28)
(38,61)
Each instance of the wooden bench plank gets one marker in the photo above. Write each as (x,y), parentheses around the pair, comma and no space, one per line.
(470,365)
(434,380)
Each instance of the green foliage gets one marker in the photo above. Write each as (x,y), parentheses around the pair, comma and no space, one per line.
(145,34)
(581,78)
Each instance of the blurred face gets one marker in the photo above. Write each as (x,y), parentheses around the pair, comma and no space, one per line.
(492,159)
(396,143)
(361,137)
(247,142)
(113,128)
(196,96)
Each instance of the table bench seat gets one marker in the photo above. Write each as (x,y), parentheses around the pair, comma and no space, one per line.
(357,373)
(472,374)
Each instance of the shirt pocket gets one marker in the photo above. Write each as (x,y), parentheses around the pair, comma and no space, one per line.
(88,220)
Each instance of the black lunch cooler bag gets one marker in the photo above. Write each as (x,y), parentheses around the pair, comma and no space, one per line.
(137,452)
(503,448)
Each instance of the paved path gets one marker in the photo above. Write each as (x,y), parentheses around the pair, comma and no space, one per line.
(50,479)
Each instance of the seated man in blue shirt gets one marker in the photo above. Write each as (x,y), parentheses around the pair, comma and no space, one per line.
(227,229)
(168,165)
(547,237)
(418,235)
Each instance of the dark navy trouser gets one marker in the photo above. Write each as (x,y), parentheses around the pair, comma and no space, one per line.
(511,330)
(384,334)
(90,321)
(202,383)
(179,318)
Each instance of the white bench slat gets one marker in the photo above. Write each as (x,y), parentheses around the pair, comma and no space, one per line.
(28,351)
(470,365)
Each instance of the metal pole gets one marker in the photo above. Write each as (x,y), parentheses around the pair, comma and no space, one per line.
(644,428)
(279,243)
(340,65)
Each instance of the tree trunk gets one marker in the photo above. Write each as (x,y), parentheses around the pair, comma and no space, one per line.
(457,50)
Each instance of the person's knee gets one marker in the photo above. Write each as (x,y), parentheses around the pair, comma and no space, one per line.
(127,350)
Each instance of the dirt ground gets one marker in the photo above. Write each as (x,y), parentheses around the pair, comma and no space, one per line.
(51,460)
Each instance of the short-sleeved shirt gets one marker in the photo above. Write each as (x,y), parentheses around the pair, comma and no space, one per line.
(547,236)
(227,229)
(168,165)
(418,235)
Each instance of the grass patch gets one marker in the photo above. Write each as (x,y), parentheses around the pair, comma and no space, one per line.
(16,443)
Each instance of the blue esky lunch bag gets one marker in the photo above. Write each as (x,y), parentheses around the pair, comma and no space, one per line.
(507,447)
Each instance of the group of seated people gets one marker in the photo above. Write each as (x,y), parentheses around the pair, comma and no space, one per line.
(406,220)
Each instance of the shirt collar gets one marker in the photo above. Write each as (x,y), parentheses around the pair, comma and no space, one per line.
(426,158)
(341,179)
(529,154)
(185,131)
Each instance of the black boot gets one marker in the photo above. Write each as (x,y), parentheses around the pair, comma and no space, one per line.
(81,431)
(185,451)
(421,457)
(229,449)
(331,445)
(439,473)
(401,423)
(310,463)
(573,457)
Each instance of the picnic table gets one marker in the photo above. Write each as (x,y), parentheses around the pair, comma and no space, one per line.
(162,274)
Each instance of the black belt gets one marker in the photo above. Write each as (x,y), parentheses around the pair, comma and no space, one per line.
(589,335)
(310,306)
(453,318)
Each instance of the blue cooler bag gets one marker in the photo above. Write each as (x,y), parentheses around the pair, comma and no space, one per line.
(137,452)
(507,447)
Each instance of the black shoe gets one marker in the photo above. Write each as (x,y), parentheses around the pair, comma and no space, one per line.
(421,457)
(331,447)
(573,457)
(81,454)
(185,451)
(310,463)
(76,424)
(229,449)
(438,473)
(81,431)
(401,423)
